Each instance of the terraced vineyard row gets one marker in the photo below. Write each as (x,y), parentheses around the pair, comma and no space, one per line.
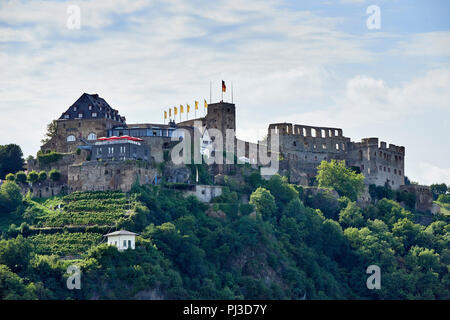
(88,209)
(64,244)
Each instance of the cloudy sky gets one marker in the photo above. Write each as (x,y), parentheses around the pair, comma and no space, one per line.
(306,62)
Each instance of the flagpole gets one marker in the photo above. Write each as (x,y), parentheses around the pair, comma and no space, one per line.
(231,91)
(210,91)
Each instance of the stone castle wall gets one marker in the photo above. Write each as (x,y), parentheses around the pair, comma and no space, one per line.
(302,148)
(80,129)
(111,175)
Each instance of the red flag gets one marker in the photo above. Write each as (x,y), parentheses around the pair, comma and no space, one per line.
(224,87)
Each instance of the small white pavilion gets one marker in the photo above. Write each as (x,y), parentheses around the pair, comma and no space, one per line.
(122,239)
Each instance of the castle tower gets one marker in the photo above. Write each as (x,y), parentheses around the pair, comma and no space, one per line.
(89,118)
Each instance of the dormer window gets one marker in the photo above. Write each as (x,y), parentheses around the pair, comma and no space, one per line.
(74,108)
(80,115)
(94,114)
(90,107)
(66,116)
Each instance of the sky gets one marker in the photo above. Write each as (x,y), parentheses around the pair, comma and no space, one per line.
(304,62)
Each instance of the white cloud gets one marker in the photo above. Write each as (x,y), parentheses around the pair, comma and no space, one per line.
(429,173)
(144,56)
(425,44)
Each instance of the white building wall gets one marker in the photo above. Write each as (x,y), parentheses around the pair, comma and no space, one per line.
(118,241)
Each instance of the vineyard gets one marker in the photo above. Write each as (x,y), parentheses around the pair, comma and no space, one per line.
(86,209)
(64,244)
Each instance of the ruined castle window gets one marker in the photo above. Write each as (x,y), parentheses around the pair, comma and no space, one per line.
(400,172)
(294,143)
(64,125)
(396,158)
(106,172)
(360,154)
(384,168)
(381,168)
(324,145)
(92,136)
(306,144)
(362,167)
(314,146)
(315,158)
(381,153)
(71,138)
(343,147)
(337,146)
(389,169)
(306,157)
(395,171)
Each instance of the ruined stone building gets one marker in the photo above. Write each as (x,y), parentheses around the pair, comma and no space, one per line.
(302,148)
(101,151)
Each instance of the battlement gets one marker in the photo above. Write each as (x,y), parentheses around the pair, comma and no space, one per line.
(305,131)
(374,143)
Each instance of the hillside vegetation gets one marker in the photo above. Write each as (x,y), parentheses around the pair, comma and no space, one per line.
(284,244)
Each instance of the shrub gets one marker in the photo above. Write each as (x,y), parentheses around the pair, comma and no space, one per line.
(21,177)
(33,176)
(42,176)
(10,177)
(47,158)
(54,175)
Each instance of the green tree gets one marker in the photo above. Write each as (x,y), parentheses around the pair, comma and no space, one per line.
(12,286)
(33,176)
(11,159)
(264,202)
(54,175)
(351,216)
(438,189)
(10,177)
(21,177)
(283,192)
(336,175)
(10,196)
(51,132)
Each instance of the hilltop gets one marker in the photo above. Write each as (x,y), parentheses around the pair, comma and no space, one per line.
(288,242)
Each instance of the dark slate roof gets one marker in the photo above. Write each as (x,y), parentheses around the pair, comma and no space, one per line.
(98,106)
(120,233)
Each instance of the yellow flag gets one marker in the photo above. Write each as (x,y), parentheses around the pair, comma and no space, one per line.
(175,111)
(165,114)
(206,104)
(188,108)
(181,108)
(196,105)
(170,112)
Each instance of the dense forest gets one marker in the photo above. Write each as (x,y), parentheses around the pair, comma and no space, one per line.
(285,243)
